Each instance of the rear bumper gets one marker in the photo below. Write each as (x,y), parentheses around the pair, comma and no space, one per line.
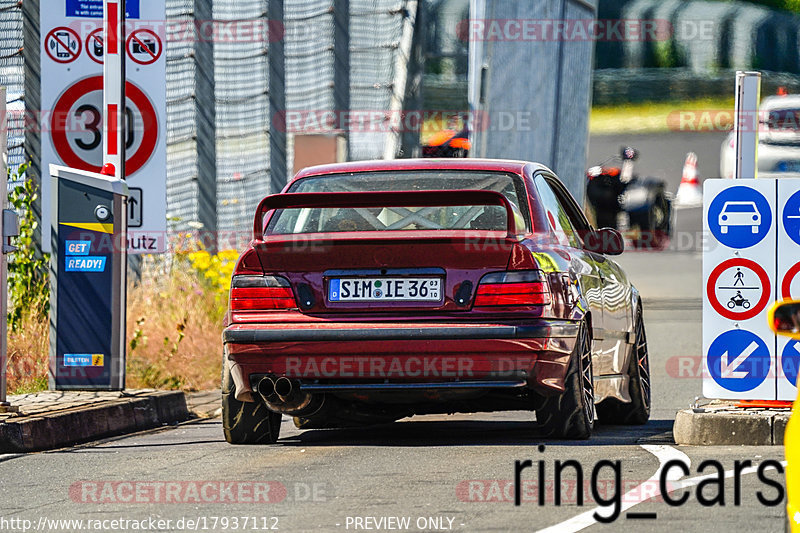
(356,356)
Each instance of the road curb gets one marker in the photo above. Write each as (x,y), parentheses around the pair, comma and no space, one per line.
(729,426)
(127,414)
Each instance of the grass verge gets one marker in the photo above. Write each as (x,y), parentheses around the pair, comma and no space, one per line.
(659,117)
(707,114)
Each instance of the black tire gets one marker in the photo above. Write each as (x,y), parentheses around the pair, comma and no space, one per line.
(571,415)
(246,422)
(654,224)
(614,412)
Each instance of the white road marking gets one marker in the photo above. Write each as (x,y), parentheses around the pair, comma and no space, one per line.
(633,497)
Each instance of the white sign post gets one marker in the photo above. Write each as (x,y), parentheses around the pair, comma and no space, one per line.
(4,405)
(746,123)
(739,266)
(752,259)
(114,86)
(74,133)
(788,280)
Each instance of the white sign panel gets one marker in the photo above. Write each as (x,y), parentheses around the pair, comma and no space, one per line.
(788,280)
(739,265)
(72,102)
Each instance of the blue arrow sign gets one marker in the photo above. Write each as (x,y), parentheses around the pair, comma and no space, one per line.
(790,361)
(738,360)
(739,217)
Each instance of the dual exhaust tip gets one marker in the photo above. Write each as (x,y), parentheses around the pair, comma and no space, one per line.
(274,390)
(284,396)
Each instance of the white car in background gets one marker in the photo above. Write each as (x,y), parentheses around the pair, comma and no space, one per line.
(778,140)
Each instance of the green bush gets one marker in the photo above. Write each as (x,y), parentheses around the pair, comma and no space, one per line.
(28,285)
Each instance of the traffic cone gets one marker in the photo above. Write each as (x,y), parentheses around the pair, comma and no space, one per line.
(689,192)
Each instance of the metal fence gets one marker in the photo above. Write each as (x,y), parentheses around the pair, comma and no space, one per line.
(219,124)
(12,77)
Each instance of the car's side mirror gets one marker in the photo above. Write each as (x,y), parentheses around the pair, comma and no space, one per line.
(605,241)
(784,318)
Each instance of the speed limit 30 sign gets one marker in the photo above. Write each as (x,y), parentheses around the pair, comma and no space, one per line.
(72,52)
(77,126)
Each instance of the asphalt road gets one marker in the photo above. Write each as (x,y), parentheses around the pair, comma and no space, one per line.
(441,473)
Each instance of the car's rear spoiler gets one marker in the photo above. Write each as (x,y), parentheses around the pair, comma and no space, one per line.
(382,199)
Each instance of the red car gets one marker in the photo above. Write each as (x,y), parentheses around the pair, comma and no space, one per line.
(374,291)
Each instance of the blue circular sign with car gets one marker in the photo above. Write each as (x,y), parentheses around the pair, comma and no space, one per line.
(739,217)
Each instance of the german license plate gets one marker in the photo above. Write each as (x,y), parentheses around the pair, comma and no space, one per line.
(385,289)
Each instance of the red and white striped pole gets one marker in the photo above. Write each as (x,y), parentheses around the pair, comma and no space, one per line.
(114,88)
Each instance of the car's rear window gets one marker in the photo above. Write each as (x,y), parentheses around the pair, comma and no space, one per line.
(325,220)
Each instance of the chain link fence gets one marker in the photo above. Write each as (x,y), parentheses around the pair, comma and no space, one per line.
(232,92)
(12,77)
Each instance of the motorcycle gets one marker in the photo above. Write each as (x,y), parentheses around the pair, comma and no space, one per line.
(612,190)
(448,143)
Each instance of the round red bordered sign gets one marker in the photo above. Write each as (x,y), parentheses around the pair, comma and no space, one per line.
(711,287)
(63,45)
(144,47)
(786,284)
(95,47)
(64,108)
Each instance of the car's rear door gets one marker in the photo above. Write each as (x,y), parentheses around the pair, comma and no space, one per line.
(614,287)
(583,264)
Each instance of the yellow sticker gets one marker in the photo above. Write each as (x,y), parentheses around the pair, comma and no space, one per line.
(97,359)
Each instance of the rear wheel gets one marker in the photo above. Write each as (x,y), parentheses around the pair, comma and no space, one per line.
(654,224)
(637,412)
(571,415)
(246,422)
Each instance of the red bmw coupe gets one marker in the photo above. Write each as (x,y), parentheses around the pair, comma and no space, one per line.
(374,291)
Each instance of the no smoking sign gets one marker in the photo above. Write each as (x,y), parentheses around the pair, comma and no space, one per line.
(77,126)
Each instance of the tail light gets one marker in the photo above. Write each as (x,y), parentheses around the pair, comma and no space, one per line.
(261,293)
(522,288)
